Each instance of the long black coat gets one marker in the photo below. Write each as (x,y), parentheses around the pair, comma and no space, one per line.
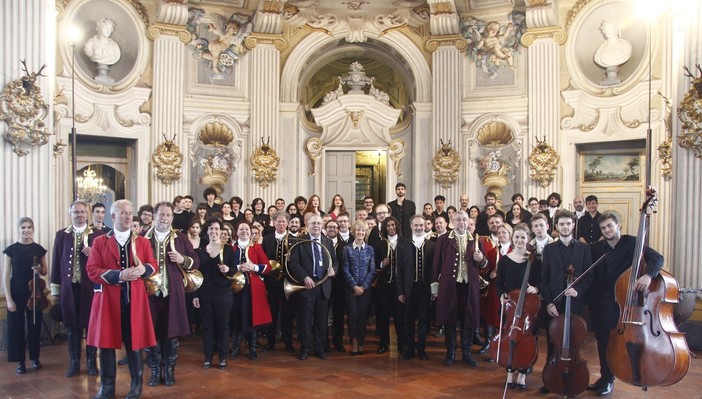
(406,271)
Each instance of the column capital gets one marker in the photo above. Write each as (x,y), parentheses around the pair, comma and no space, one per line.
(158,29)
(448,40)
(263,38)
(551,32)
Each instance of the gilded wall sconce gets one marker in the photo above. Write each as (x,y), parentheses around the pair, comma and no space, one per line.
(690,114)
(23,109)
(543,161)
(446,163)
(167,159)
(264,162)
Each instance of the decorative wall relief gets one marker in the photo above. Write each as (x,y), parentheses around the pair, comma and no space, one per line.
(215,154)
(264,163)
(612,53)
(496,166)
(543,162)
(690,114)
(313,149)
(493,46)
(446,163)
(219,43)
(23,109)
(665,149)
(167,160)
(102,50)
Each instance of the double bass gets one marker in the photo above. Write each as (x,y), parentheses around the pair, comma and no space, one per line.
(566,372)
(645,348)
(515,345)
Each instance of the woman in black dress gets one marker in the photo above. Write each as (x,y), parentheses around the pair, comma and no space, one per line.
(24,260)
(214,298)
(510,274)
(194,229)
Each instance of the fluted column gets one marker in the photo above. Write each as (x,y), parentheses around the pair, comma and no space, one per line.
(26,181)
(264,74)
(543,39)
(684,259)
(170,37)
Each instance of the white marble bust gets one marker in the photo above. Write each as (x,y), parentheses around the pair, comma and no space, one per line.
(100,48)
(612,53)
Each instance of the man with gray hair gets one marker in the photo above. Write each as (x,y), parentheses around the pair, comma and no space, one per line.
(118,263)
(70,285)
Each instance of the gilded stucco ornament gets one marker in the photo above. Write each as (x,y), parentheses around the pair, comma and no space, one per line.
(23,109)
(665,149)
(543,161)
(690,114)
(167,160)
(397,151)
(264,163)
(446,163)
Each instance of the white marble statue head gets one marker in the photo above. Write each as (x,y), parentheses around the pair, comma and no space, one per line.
(105,27)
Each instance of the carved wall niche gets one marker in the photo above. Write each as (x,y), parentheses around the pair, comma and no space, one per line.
(129,34)
(584,37)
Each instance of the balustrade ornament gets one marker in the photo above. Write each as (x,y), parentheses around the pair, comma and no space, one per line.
(167,159)
(264,162)
(543,161)
(23,109)
(446,163)
(690,114)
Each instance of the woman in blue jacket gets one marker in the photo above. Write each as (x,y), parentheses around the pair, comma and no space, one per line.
(358,271)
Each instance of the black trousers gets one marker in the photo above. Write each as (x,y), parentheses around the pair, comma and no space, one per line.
(16,338)
(389,306)
(358,307)
(604,319)
(215,312)
(312,314)
(417,312)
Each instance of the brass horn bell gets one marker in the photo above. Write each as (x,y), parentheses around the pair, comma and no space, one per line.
(276,270)
(290,288)
(238,282)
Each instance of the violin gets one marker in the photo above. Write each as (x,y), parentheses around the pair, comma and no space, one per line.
(566,372)
(36,286)
(645,348)
(514,347)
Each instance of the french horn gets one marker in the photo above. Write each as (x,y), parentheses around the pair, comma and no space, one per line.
(277,271)
(290,285)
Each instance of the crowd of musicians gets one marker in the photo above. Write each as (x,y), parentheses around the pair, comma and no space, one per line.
(440,267)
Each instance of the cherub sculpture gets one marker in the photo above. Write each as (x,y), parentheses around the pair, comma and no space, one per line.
(225,43)
(491,45)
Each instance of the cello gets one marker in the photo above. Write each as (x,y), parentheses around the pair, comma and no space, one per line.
(645,348)
(520,351)
(566,372)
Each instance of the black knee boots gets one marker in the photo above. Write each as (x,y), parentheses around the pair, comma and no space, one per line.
(170,355)
(108,374)
(73,336)
(154,360)
(136,371)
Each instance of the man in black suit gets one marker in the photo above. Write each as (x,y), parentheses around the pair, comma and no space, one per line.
(382,211)
(276,246)
(402,209)
(556,259)
(391,253)
(307,265)
(338,298)
(481,225)
(413,280)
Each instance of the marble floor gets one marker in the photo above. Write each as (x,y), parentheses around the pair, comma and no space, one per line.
(278,374)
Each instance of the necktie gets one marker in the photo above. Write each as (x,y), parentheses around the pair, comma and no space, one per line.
(317,255)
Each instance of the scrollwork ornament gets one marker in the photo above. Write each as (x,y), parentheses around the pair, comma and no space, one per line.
(264,162)
(690,114)
(23,109)
(167,159)
(313,149)
(543,161)
(452,40)
(397,150)
(665,149)
(446,163)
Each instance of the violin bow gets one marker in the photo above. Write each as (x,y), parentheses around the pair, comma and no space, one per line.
(580,277)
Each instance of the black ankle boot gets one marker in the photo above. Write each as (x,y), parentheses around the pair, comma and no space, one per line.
(489,333)
(236,343)
(450,339)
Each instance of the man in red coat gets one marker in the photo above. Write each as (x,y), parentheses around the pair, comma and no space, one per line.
(70,285)
(173,252)
(455,273)
(117,264)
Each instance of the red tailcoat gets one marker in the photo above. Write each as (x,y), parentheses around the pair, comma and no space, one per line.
(105,329)
(260,310)
(490,301)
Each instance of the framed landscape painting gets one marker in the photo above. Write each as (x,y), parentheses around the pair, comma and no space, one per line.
(611,168)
